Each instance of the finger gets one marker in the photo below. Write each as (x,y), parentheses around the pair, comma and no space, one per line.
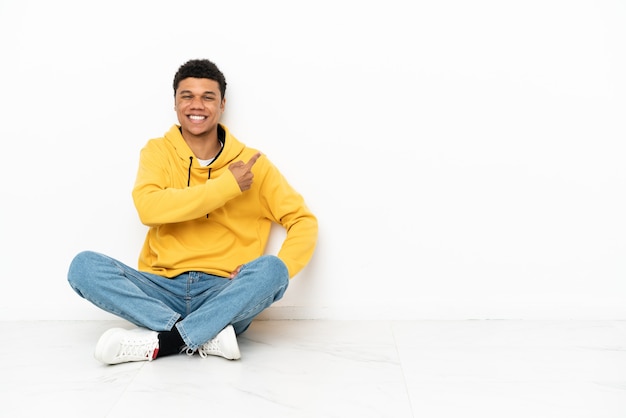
(235,272)
(252,160)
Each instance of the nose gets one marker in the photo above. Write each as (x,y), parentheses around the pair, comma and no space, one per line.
(196,102)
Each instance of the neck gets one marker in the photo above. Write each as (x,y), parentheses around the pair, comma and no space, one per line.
(205,150)
(205,146)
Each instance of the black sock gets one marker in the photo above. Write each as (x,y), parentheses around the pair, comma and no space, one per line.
(170,342)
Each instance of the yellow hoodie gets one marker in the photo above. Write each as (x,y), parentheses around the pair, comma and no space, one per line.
(199,219)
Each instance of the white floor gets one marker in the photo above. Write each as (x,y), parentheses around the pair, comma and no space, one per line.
(396,369)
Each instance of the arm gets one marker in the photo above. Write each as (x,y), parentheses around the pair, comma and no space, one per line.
(161,195)
(289,209)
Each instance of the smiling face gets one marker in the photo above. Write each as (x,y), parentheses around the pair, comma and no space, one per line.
(199,106)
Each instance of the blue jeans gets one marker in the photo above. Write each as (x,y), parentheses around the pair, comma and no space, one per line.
(206,303)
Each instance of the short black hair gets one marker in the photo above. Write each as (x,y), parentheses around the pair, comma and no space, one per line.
(200,68)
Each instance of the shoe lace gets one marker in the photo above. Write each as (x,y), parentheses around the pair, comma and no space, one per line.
(209,347)
(138,348)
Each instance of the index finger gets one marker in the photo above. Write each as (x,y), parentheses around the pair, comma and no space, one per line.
(253,159)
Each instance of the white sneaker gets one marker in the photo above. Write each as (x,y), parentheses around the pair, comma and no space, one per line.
(119,345)
(224,345)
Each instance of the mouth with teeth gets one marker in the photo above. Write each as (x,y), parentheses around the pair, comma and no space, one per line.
(196,118)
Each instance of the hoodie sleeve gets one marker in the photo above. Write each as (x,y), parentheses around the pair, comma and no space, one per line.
(161,196)
(288,208)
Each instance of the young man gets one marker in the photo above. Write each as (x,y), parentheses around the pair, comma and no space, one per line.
(209,202)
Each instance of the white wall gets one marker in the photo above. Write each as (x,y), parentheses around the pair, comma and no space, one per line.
(465,158)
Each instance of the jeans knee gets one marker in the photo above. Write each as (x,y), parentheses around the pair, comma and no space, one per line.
(276,268)
(79,266)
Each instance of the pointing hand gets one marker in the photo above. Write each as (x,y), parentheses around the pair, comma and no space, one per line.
(243,172)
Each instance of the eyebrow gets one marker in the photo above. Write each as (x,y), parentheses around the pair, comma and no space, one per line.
(190,92)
